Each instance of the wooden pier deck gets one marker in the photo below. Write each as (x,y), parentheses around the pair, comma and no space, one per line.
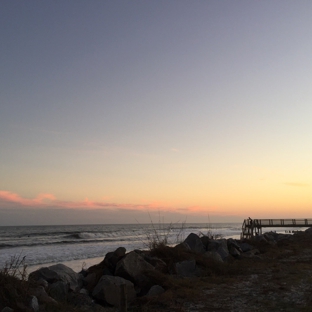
(253,227)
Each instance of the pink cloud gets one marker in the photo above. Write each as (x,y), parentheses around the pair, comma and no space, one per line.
(45,200)
(49,200)
(41,199)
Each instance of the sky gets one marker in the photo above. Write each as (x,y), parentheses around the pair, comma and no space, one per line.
(132,111)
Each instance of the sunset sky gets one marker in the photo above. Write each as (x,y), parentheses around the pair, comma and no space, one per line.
(115,111)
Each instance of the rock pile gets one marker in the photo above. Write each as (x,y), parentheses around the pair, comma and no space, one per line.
(125,276)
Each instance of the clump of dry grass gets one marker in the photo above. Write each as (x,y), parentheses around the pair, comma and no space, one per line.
(157,236)
(14,288)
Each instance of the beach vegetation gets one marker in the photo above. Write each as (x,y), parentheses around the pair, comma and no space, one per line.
(14,288)
(159,235)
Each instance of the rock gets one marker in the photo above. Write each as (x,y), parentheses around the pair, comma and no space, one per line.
(195,243)
(213,245)
(270,237)
(182,246)
(250,254)
(220,246)
(109,290)
(245,247)
(58,272)
(155,291)
(224,253)
(185,268)
(43,283)
(213,255)
(42,296)
(234,252)
(34,305)
(58,291)
(80,300)
(157,263)
(44,274)
(7,309)
(260,238)
(233,243)
(132,266)
(67,275)
(112,258)
(84,291)
(205,240)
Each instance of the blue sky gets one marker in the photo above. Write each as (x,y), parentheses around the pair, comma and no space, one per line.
(185,108)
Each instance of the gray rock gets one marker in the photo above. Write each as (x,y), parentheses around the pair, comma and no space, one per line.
(213,255)
(58,291)
(233,243)
(213,245)
(157,263)
(234,252)
(43,283)
(81,300)
(270,237)
(90,279)
(185,268)
(132,266)
(182,246)
(155,291)
(112,258)
(84,291)
(34,305)
(7,309)
(224,253)
(44,274)
(245,247)
(223,243)
(68,275)
(109,289)
(260,238)
(58,272)
(205,240)
(195,243)
(42,296)
(250,254)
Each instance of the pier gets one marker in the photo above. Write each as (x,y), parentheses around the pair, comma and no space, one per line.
(253,227)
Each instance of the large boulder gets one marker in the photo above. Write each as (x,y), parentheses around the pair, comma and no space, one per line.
(213,255)
(195,243)
(132,266)
(220,246)
(155,291)
(233,243)
(245,247)
(234,252)
(205,240)
(42,296)
(109,289)
(58,272)
(111,258)
(58,291)
(157,263)
(213,245)
(223,252)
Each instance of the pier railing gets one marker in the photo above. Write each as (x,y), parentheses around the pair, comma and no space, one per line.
(253,227)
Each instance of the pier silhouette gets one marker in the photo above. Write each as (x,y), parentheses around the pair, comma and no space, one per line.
(253,227)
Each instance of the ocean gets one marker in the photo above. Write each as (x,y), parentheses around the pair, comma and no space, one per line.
(81,246)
